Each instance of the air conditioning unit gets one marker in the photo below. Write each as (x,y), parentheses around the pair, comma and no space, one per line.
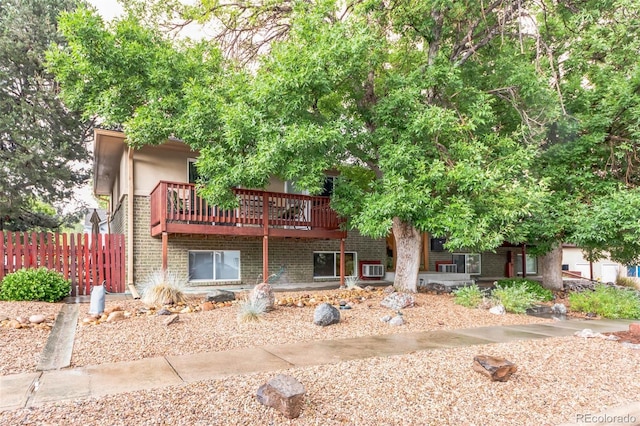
(372,270)
(448,267)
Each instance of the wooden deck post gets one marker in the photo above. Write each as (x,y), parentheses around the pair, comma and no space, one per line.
(342,265)
(265,238)
(165,249)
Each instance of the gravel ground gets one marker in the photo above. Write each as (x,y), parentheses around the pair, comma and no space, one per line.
(218,329)
(557,378)
(21,348)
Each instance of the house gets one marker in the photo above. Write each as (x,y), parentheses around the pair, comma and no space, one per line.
(575,265)
(276,232)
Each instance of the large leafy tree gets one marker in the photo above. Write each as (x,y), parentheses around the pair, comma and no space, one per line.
(591,155)
(425,107)
(42,143)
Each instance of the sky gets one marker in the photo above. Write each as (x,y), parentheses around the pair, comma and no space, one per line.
(109,9)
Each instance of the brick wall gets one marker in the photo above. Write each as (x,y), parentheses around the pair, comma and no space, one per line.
(291,258)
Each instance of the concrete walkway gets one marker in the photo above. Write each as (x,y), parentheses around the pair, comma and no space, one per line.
(29,389)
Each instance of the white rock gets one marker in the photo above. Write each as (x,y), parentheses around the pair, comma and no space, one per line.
(588,333)
(386,318)
(36,319)
(630,345)
(396,321)
(497,310)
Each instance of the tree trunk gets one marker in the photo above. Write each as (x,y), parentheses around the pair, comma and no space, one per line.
(408,246)
(551,264)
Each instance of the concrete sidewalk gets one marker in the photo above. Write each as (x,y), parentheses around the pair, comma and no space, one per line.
(29,389)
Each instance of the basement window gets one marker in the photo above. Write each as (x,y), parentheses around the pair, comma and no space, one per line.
(214,265)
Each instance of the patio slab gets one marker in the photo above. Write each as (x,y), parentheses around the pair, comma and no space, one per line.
(62,385)
(57,351)
(213,365)
(129,376)
(15,390)
(500,334)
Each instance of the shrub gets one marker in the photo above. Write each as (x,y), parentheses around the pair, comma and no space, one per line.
(163,287)
(607,302)
(629,282)
(251,310)
(533,287)
(35,284)
(468,296)
(515,298)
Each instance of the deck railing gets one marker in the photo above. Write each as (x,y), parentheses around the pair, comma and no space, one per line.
(179,202)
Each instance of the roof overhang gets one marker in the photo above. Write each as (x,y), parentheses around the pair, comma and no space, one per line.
(108,147)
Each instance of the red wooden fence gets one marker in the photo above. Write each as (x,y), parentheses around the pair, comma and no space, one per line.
(86,260)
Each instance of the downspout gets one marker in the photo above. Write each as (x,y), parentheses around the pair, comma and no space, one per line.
(130,219)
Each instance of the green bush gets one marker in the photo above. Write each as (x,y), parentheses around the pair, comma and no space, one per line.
(468,296)
(607,302)
(516,297)
(533,287)
(34,284)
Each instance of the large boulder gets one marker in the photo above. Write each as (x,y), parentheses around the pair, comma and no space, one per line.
(326,314)
(263,293)
(217,296)
(397,301)
(284,393)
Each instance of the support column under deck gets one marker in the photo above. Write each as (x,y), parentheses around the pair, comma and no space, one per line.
(165,249)
(342,265)
(265,258)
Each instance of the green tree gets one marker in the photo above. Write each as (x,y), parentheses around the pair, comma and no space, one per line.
(590,158)
(42,143)
(424,106)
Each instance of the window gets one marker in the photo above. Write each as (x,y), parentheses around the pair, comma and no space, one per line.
(468,263)
(633,271)
(327,189)
(214,265)
(326,264)
(192,170)
(532,265)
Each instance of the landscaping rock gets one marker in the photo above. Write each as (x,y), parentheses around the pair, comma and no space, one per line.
(386,318)
(587,333)
(171,319)
(389,289)
(498,310)
(634,328)
(22,320)
(113,309)
(263,292)
(217,296)
(397,301)
(115,316)
(207,306)
(396,321)
(629,345)
(559,309)
(498,369)
(163,311)
(36,319)
(326,314)
(284,393)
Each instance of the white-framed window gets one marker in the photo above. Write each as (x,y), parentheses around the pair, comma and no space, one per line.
(468,263)
(326,264)
(214,265)
(192,171)
(532,265)
(633,271)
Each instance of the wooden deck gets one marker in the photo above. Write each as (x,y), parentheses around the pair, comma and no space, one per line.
(177,209)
